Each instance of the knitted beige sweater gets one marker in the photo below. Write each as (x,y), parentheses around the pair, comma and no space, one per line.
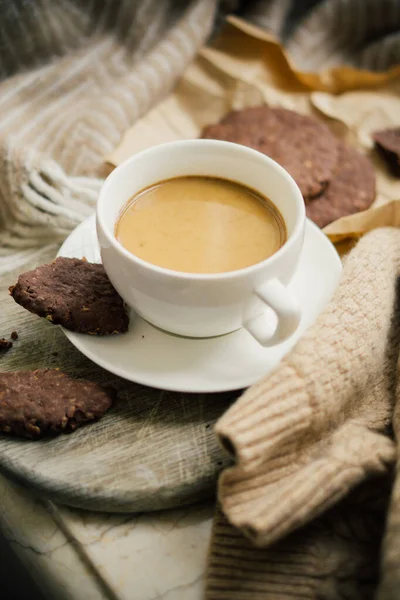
(306,436)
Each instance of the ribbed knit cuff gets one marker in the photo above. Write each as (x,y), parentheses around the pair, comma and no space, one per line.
(274,413)
(293,487)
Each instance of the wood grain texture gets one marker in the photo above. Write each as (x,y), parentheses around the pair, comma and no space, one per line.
(153,450)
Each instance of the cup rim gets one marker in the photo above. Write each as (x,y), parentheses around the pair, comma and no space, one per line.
(183,275)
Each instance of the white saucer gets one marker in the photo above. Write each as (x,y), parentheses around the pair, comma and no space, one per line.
(158,359)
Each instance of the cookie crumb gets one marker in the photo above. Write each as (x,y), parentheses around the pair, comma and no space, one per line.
(5,345)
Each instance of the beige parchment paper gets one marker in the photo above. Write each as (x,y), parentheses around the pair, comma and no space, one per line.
(245,66)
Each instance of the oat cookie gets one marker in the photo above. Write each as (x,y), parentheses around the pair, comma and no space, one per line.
(75,294)
(387,142)
(350,191)
(48,402)
(302,145)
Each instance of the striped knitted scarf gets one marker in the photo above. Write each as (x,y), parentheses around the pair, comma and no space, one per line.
(75,76)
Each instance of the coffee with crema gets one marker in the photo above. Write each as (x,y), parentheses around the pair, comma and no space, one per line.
(199,224)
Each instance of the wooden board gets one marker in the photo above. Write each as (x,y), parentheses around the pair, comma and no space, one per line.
(153,450)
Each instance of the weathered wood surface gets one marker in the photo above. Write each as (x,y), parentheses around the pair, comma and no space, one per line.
(153,450)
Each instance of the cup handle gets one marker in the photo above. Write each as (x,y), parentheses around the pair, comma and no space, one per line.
(277,297)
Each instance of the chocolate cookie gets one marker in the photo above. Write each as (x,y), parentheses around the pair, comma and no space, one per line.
(387,142)
(48,402)
(75,294)
(302,145)
(350,191)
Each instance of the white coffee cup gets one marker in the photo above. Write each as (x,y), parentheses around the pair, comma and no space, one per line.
(205,305)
